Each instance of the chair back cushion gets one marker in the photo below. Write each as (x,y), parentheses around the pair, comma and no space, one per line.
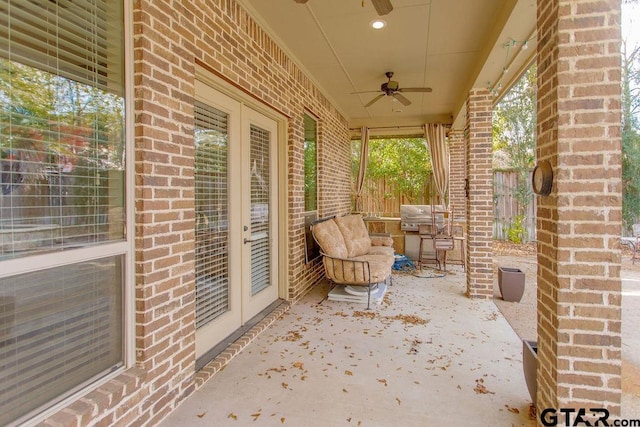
(330,239)
(355,234)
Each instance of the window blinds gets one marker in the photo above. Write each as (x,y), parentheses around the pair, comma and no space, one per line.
(61,124)
(260,198)
(81,40)
(212,209)
(59,328)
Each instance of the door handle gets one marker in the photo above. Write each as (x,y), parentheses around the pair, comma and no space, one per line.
(256,237)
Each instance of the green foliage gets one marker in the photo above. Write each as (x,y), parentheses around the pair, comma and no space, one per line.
(630,136)
(517,232)
(514,133)
(403,163)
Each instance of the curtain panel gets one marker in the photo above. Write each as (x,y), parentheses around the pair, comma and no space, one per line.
(364,160)
(436,141)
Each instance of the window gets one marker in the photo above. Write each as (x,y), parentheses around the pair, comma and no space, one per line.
(62,168)
(310,164)
(310,185)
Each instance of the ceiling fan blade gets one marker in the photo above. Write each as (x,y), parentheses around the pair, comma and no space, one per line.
(404,101)
(382,6)
(374,100)
(300,1)
(415,89)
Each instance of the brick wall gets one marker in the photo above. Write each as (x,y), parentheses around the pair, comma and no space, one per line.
(457,172)
(579,224)
(479,204)
(172,38)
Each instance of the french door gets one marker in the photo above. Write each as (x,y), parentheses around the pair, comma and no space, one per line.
(236,215)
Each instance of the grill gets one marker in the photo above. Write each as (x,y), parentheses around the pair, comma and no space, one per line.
(411,216)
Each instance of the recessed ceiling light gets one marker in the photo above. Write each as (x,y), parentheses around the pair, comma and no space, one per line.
(378,24)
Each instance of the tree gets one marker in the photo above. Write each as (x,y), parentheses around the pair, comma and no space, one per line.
(630,135)
(514,134)
(404,164)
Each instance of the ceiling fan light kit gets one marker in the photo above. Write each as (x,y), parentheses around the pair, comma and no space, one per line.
(393,89)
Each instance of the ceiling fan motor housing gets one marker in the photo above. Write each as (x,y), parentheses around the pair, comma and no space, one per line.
(389,86)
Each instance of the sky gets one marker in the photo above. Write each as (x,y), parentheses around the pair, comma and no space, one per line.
(631,23)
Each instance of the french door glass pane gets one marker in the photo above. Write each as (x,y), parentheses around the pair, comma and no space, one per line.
(260,182)
(59,328)
(212,209)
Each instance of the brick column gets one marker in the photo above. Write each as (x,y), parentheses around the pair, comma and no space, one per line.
(457,172)
(579,223)
(480,201)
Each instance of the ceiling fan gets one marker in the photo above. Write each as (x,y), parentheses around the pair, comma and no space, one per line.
(383,7)
(392,88)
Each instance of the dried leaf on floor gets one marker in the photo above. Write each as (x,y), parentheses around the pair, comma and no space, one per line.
(284,385)
(292,336)
(232,416)
(201,415)
(532,412)
(492,316)
(348,373)
(282,420)
(298,365)
(256,415)
(398,400)
(512,409)
(383,381)
(480,388)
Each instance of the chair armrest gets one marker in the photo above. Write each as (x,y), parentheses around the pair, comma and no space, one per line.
(347,271)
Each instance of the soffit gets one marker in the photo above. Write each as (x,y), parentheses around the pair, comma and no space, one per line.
(451,46)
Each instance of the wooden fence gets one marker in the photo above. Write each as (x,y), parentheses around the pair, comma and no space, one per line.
(506,208)
(381,198)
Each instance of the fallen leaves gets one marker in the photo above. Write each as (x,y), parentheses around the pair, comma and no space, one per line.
(492,316)
(232,416)
(383,381)
(409,319)
(367,314)
(512,409)
(480,388)
(348,373)
(532,412)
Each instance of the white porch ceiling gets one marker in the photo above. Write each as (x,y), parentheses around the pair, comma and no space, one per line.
(451,46)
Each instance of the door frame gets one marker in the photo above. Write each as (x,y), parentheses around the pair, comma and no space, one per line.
(218,82)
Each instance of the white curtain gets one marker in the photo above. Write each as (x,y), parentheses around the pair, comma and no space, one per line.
(436,141)
(364,159)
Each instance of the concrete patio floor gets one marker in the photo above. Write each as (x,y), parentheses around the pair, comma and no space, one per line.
(426,356)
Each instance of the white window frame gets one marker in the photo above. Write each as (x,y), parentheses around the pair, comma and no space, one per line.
(125,248)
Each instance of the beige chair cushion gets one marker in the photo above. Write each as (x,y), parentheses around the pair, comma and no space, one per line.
(328,236)
(381,240)
(330,239)
(381,250)
(355,234)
